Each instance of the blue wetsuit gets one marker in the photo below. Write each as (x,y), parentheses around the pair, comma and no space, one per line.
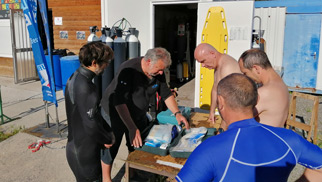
(250,151)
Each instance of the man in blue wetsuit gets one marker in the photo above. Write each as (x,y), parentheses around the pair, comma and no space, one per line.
(248,150)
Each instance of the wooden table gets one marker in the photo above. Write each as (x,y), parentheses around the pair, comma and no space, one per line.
(148,162)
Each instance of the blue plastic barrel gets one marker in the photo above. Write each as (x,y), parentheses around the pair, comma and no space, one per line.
(56,71)
(68,65)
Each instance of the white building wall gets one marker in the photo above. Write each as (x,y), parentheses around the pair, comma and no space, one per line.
(5,37)
(139,13)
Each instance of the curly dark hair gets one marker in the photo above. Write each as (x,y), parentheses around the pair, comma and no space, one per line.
(97,51)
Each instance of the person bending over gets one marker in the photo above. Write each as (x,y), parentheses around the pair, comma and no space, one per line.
(223,65)
(126,100)
(272,107)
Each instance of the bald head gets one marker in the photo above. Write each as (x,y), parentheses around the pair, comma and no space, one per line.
(207,56)
(203,49)
(239,91)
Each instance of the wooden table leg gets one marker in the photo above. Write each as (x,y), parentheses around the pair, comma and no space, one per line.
(127,172)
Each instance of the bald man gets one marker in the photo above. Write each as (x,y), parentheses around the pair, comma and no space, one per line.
(223,65)
(273,105)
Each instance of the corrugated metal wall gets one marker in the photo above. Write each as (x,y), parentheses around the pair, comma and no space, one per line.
(23,59)
(273,24)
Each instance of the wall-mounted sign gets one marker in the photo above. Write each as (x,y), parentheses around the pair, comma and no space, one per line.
(63,34)
(58,20)
(4,14)
(80,35)
(6,5)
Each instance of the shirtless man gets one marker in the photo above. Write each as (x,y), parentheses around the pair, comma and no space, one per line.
(273,104)
(223,65)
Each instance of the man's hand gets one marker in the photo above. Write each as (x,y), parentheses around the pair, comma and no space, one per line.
(134,133)
(108,145)
(312,175)
(135,138)
(181,119)
(212,117)
(174,92)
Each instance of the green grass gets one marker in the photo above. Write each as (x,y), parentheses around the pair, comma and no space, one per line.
(320,144)
(4,136)
(319,140)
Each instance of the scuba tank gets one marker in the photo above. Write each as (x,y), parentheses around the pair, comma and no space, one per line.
(132,44)
(92,37)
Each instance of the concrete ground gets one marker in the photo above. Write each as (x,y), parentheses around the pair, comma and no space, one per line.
(23,102)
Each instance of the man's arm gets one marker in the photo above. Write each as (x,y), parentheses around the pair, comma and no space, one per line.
(200,166)
(263,101)
(213,103)
(87,102)
(173,107)
(134,132)
(308,155)
(312,175)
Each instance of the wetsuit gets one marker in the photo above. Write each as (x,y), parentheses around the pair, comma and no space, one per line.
(133,88)
(87,131)
(250,151)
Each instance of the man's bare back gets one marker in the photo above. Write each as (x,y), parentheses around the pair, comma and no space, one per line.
(226,66)
(273,103)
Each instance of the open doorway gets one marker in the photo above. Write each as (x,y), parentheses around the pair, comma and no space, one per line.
(175,29)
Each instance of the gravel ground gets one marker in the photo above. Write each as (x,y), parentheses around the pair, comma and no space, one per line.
(24,102)
(304,111)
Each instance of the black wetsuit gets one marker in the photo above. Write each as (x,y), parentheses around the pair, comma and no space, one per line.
(133,88)
(87,131)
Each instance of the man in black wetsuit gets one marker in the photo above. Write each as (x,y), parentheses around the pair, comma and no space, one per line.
(88,133)
(126,100)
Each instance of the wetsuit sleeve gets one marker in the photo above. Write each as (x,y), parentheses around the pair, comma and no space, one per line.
(123,87)
(165,91)
(310,155)
(199,166)
(93,123)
